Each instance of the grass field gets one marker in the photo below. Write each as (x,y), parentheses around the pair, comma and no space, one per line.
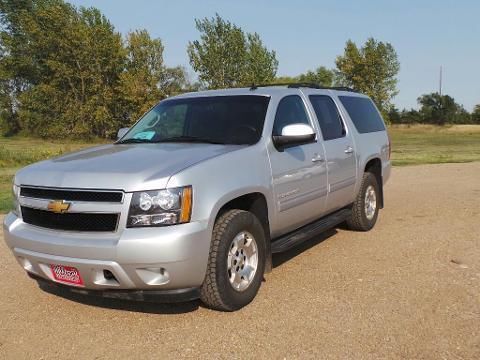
(18,152)
(417,144)
(428,144)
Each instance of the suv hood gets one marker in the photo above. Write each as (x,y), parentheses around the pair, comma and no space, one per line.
(128,167)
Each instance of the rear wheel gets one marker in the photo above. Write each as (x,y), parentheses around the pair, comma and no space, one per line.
(366,205)
(236,262)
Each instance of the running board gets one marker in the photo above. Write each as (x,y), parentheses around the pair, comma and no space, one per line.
(288,241)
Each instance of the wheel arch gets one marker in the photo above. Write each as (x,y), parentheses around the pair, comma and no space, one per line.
(256,203)
(374,166)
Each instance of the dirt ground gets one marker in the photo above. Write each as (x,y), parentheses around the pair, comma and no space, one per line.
(410,288)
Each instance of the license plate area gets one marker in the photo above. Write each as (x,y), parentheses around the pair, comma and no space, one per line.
(66,274)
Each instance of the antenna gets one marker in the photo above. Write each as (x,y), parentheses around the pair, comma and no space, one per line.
(440,83)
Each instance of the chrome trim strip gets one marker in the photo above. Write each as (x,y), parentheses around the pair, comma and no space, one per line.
(302,198)
(342,184)
(75,206)
(77,190)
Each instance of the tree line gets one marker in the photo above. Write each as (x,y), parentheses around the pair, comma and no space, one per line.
(435,109)
(66,72)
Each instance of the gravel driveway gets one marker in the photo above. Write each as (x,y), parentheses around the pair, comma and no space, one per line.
(410,288)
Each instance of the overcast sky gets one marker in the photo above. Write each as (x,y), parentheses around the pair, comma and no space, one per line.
(306,34)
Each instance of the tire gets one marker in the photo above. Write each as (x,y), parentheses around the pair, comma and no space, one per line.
(220,289)
(361,218)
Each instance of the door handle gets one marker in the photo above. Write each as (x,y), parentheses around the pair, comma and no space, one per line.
(348,150)
(317,158)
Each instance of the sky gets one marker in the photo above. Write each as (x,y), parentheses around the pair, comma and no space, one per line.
(305,34)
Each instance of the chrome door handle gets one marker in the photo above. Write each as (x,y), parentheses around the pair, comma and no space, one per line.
(317,158)
(349,150)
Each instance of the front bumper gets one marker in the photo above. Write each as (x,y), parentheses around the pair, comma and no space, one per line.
(162,258)
(162,296)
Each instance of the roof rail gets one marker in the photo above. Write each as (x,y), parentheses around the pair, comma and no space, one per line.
(304,85)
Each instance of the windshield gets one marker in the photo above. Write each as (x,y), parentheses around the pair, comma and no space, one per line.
(214,119)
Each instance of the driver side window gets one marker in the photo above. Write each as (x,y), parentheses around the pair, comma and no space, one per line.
(290,110)
(172,121)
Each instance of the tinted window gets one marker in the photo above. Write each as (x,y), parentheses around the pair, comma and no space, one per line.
(222,119)
(328,117)
(363,113)
(290,110)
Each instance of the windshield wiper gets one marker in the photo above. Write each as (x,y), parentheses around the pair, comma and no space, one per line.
(133,141)
(193,139)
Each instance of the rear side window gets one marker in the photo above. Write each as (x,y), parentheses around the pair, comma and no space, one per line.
(328,117)
(290,111)
(363,113)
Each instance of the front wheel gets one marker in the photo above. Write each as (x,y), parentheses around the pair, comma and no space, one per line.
(366,205)
(236,262)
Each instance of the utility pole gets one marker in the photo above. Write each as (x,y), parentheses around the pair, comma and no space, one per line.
(440,84)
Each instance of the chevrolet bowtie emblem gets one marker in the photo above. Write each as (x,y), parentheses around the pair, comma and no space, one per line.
(58,206)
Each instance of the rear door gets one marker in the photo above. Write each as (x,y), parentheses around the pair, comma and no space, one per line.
(339,152)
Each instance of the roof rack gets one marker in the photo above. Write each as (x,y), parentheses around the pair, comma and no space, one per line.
(304,85)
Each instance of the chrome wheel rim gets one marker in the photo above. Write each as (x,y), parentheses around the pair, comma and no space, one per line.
(242,261)
(370,202)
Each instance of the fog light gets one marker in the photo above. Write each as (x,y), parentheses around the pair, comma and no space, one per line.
(154,275)
(108,275)
(27,265)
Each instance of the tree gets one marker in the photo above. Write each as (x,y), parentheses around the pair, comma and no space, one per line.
(68,61)
(143,68)
(146,79)
(438,109)
(394,116)
(371,69)
(462,116)
(227,57)
(434,109)
(9,123)
(411,116)
(285,80)
(321,76)
(15,63)
(260,65)
(476,114)
(66,72)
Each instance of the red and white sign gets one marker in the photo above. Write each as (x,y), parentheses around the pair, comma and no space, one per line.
(66,274)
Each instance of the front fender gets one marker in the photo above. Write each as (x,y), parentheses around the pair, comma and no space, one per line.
(221,179)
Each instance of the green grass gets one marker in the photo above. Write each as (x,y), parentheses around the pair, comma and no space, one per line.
(412,145)
(427,144)
(16,152)
(6,175)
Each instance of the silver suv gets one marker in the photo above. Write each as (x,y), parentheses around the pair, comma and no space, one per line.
(193,200)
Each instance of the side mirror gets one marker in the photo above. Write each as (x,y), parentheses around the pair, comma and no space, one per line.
(294,135)
(122,132)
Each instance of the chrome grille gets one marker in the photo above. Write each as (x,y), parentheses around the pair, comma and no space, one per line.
(85,210)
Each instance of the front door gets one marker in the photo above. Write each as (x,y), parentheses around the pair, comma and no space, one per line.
(339,152)
(299,173)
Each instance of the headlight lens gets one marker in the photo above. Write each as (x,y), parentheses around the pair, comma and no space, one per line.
(160,207)
(16,194)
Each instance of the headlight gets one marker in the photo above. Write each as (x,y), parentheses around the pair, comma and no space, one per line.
(160,207)
(16,194)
